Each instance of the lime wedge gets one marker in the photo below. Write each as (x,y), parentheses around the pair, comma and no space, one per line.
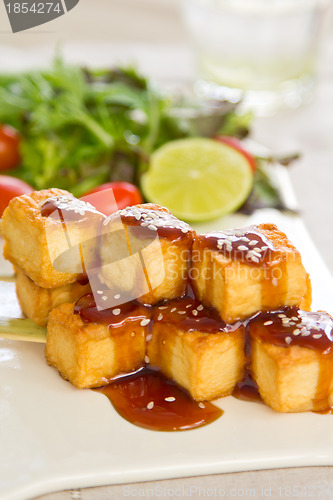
(198,179)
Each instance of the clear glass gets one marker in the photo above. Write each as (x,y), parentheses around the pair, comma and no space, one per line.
(261,50)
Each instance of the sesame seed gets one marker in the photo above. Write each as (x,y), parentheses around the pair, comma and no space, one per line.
(117,296)
(184,230)
(163,342)
(268,323)
(144,322)
(100,292)
(305,333)
(288,340)
(297,331)
(147,359)
(244,238)
(104,297)
(170,399)
(116,312)
(181,312)
(201,405)
(256,249)
(195,312)
(294,318)
(174,309)
(243,248)
(150,405)
(317,335)
(265,247)
(159,317)
(188,306)
(200,307)
(253,242)
(152,227)
(133,334)
(275,282)
(255,259)
(282,316)
(163,307)
(149,337)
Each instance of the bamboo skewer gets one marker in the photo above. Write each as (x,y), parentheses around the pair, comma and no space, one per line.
(22,329)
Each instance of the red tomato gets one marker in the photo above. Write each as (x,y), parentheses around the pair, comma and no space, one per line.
(113,196)
(237,144)
(9,148)
(9,188)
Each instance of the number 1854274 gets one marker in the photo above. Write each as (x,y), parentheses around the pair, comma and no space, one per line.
(35,7)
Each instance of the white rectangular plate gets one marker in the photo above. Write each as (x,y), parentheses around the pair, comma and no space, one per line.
(56,437)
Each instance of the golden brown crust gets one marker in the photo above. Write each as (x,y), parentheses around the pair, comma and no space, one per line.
(153,206)
(33,242)
(89,354)
(292,378)
(277,237)
(149,267)
(37,302)
(238,289)
(208,365)
(31,203)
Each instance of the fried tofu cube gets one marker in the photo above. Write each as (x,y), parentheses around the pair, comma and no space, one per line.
(241,272)
(292,361)
(89,353)
(145,254)
(37,302)
(196,349)
(49,234)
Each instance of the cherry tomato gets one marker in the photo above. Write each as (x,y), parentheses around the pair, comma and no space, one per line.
(237,144)
(9,148)
(9,188)
(113,196)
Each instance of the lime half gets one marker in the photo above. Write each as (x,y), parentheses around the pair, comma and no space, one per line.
(198,179)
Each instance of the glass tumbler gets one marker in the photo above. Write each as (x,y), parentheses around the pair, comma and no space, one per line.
(261,51)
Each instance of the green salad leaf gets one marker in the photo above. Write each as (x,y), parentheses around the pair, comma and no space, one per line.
(81,127)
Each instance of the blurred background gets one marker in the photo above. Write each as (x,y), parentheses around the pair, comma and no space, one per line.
(150,21)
